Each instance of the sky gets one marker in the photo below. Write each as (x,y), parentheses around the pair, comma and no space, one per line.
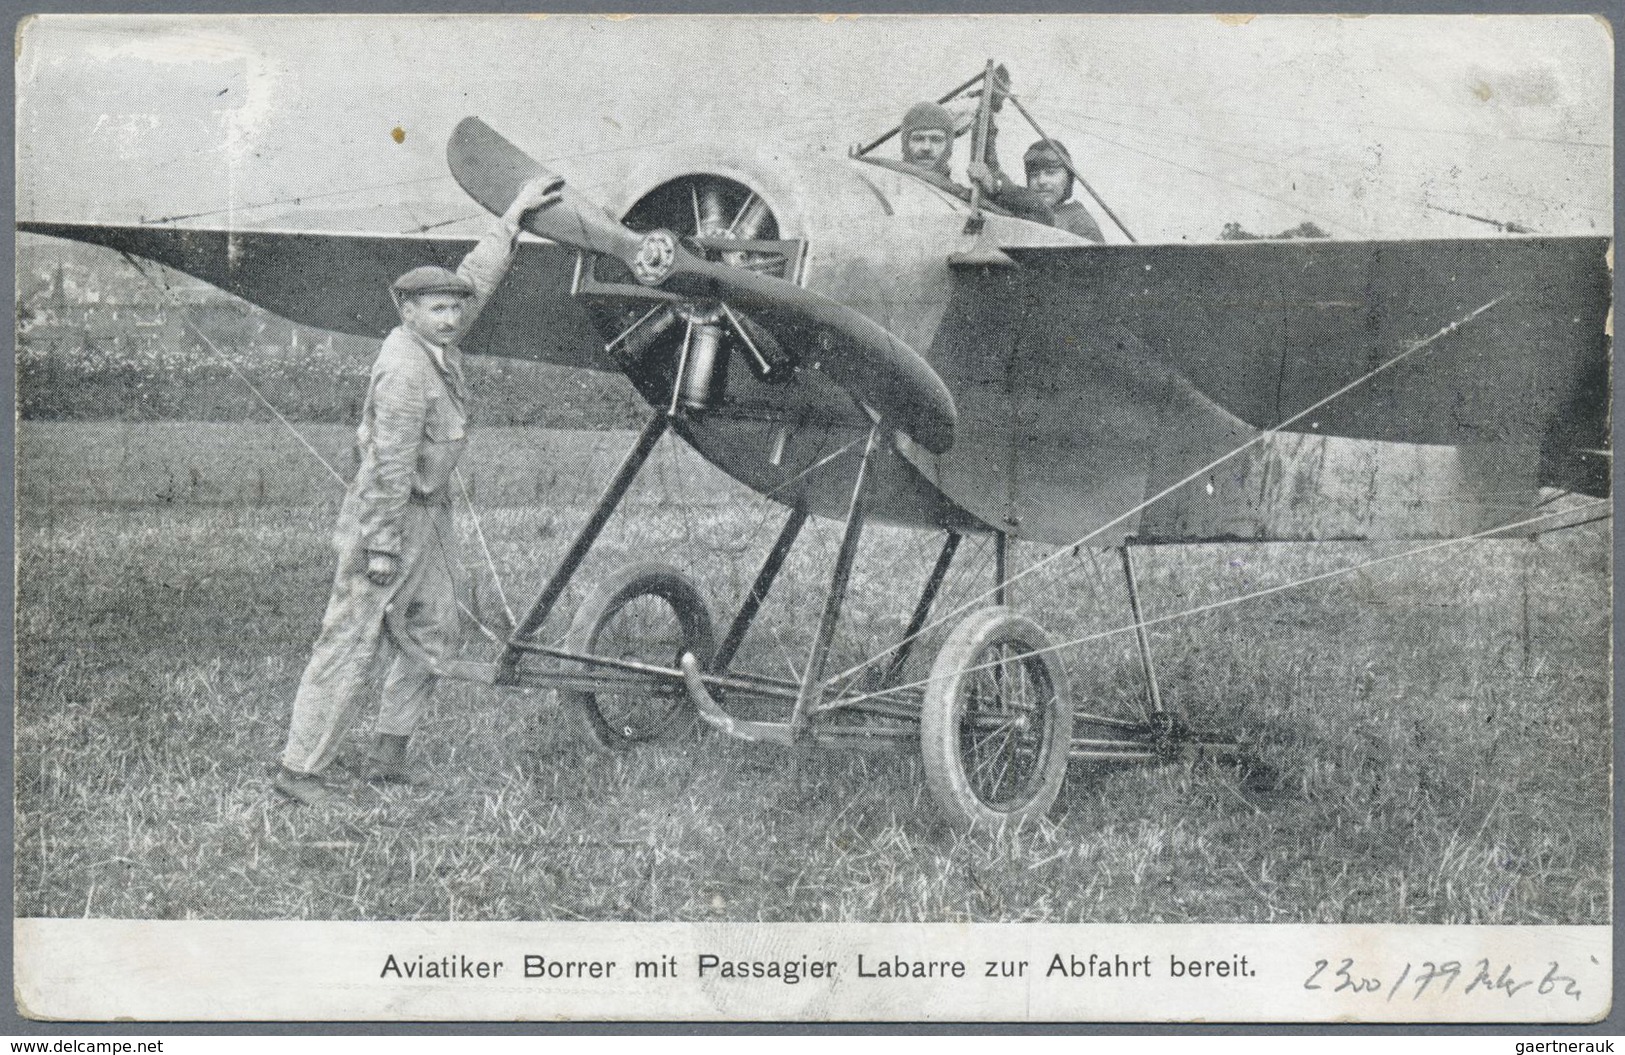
(1369,127)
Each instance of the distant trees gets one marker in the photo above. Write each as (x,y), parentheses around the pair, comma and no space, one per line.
(95,367)
(1233,232)
(95,341)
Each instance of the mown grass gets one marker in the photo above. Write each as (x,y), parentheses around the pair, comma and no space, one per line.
(1439,728)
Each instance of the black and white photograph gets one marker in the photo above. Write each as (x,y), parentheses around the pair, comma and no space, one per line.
(906,517)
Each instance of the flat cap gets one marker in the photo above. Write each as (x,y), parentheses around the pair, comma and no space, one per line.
(431,279)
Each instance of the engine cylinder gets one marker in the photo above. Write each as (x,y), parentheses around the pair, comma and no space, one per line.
(704,375)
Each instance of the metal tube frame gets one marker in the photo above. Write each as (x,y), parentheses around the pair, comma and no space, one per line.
(812,679)
(922,609)
(618,485)
(978,150)
(1067,164)
(1157,713)
(1001,569)
(860,151)
(758,591)
(1162,734)
(765,688)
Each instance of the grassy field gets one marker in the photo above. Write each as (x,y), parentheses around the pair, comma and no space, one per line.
(1440,727)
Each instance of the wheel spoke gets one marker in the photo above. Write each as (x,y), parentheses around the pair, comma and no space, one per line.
(1005,722)
(645,628)
(992,751)
(996,736)
(998,781)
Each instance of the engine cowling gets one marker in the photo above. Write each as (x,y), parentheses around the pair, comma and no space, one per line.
(873,259)
(880,371)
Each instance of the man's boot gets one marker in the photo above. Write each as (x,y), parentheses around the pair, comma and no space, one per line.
(304,788)
(388,765)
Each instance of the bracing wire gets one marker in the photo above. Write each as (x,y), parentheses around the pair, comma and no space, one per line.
(815,466)
(1242,187)
(479,533)
(853,114)
(186,317)
(1231,602)
(1278,161)
(1326,162)
(1186,110)
(424,228)
(299,199)
(1261,437)
(959,581)
(445,559)
(843,114)
(755,529)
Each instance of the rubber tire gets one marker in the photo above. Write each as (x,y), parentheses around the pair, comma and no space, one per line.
(608,598)
(946,697)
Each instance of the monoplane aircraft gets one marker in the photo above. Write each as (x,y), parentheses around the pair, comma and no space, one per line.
(859,340)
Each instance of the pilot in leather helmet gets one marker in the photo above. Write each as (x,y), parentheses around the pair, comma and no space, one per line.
(1051,180)
(927,136)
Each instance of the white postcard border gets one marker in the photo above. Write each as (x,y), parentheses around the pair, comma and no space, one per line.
(151,970)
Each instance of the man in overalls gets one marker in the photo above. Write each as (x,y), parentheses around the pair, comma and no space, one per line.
(395,530)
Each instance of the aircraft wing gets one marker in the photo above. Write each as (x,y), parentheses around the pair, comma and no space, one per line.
(341,281)
(1268,328)
(1114,372)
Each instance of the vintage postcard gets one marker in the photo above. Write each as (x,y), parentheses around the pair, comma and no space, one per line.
(1064,518)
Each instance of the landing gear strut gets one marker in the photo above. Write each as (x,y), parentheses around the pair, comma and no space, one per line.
(618,485)
(992,720)
(1162,734)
